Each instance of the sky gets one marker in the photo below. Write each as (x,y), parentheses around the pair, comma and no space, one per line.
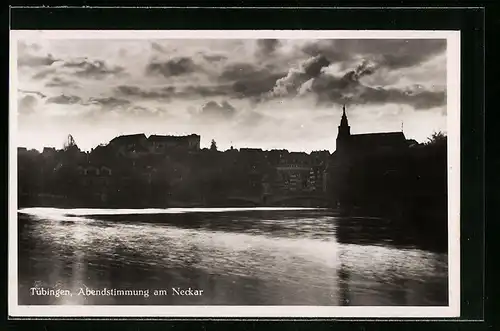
(261,93)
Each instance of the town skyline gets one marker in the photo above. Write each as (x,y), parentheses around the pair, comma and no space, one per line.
(246,93)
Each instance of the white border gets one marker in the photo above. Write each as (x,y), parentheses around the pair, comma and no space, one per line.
(453,128)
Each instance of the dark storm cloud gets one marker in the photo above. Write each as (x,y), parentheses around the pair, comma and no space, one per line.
(65,99)
(348,89)
(290,84)
(207,90)
(31,60)
(411,52)
(216,110)
(61,82)
(364,69)
(390,53)
(173,67)
(214,57)
(249,80)
(157,47)
(40,94)
(135,91)
(95,69)
(266,47)
(169,92)
(109,102)
(419,101)
(310,78)
(313,66)
(28,57)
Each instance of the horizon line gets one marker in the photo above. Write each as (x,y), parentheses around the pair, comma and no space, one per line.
(198,135)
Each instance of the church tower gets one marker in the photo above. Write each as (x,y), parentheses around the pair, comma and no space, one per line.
(344,134)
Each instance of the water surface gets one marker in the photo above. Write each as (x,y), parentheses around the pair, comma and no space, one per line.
(237,256)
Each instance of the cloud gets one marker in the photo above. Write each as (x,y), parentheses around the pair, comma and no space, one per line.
(206,90)
(44,73)
(266,47)
(364,69)
(170,92)
(250,80)
(40,94)
(291,83)
(27,104)
(348,89)
(390,53)
(109,102)
(259,91)
(65,99)
(312,67)
(215,110)
(29,60)
(173,67)
(61,82)
(214,57)
(135,91)
(157,47)
(95,69)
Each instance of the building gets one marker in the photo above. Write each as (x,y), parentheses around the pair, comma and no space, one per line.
(359,154)
(137,145)
(22,150)
(95,181)
(362,144)
(130,145)
(293,172)
(48,152)
(161,144)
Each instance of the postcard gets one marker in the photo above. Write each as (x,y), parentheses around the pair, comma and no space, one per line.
(255,173)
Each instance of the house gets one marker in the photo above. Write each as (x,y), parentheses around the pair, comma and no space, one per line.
(94,175)
(137,145)
(48,152)
(130,145)
(162,144)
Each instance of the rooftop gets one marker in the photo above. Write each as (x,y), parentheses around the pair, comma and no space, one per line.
(142,136)
(130,137)
(171,138)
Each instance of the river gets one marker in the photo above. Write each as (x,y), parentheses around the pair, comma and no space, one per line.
(237,256)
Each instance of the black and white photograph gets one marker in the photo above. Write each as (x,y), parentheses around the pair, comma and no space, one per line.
(234,173)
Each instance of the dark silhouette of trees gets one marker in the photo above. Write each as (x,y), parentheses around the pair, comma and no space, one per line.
(213,145)
(437,139)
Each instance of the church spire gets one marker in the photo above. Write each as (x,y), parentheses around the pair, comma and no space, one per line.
(344,123)
(344,133)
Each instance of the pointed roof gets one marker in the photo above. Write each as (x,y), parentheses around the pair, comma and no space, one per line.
(344,122)
(129,138)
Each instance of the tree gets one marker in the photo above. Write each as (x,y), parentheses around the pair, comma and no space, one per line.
(437,138)
(213,145)
(70,144)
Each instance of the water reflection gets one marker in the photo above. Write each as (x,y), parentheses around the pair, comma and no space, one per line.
(240,257)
